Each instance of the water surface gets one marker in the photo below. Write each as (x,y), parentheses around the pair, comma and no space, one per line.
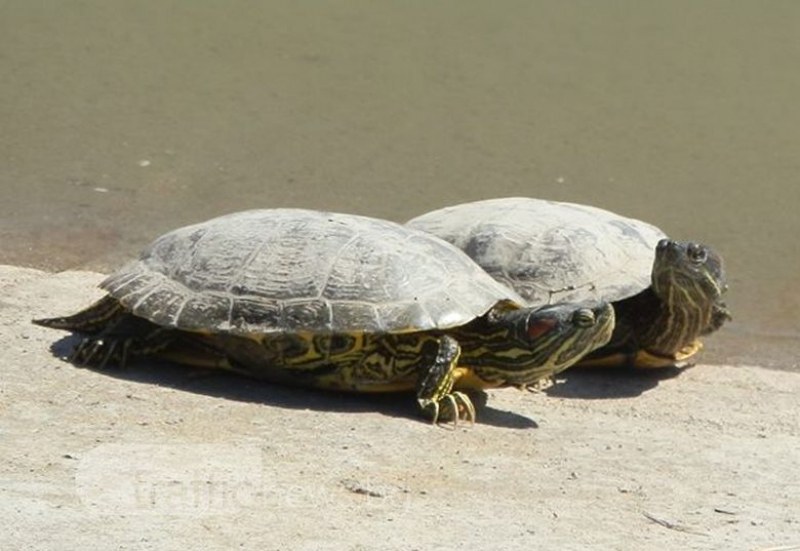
(122,120)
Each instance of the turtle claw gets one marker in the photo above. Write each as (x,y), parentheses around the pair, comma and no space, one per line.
(100,353)
(123,362)
(77,351)
(84,351)
(539,386)
(469,407)
(112,347)
(457,406)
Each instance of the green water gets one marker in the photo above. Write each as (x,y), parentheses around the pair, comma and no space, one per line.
(121,120)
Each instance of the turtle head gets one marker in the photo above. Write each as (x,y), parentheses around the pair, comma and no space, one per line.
(560,334)
(687,274)
(693,268)
(689,279)
(527,345)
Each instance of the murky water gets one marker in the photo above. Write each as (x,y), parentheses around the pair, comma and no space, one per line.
(123,120)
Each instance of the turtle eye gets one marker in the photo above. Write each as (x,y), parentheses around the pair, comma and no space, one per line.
(583,318)
(696,253)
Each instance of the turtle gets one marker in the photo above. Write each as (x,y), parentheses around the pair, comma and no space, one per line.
(665,293)
(333,301)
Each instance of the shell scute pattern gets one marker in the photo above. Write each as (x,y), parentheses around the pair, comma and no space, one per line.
(524,244)
(286,270)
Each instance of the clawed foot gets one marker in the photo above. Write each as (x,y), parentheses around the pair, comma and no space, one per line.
(98,353)
(453,406)
(539,386)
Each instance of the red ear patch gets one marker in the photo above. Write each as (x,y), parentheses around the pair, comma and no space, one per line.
(541,327)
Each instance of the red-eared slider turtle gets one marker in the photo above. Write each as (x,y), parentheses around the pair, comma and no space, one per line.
(666,293)
(332,301)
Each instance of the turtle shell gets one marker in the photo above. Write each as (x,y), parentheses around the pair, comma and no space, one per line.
(293,270)
(550,251)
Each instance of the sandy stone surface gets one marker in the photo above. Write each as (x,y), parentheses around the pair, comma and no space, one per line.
(161,457)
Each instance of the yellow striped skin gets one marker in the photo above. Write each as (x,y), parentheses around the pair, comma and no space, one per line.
(660,326)
(505,347)
(689,280)
(494,352)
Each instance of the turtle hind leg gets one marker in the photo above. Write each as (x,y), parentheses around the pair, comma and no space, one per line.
(125,337)
(90,321)
(435,392)
(112,335)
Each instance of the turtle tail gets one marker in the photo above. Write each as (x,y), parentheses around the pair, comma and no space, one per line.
(91,320)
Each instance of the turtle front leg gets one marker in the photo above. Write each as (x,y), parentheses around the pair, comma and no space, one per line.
(435,392)
(719,315)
